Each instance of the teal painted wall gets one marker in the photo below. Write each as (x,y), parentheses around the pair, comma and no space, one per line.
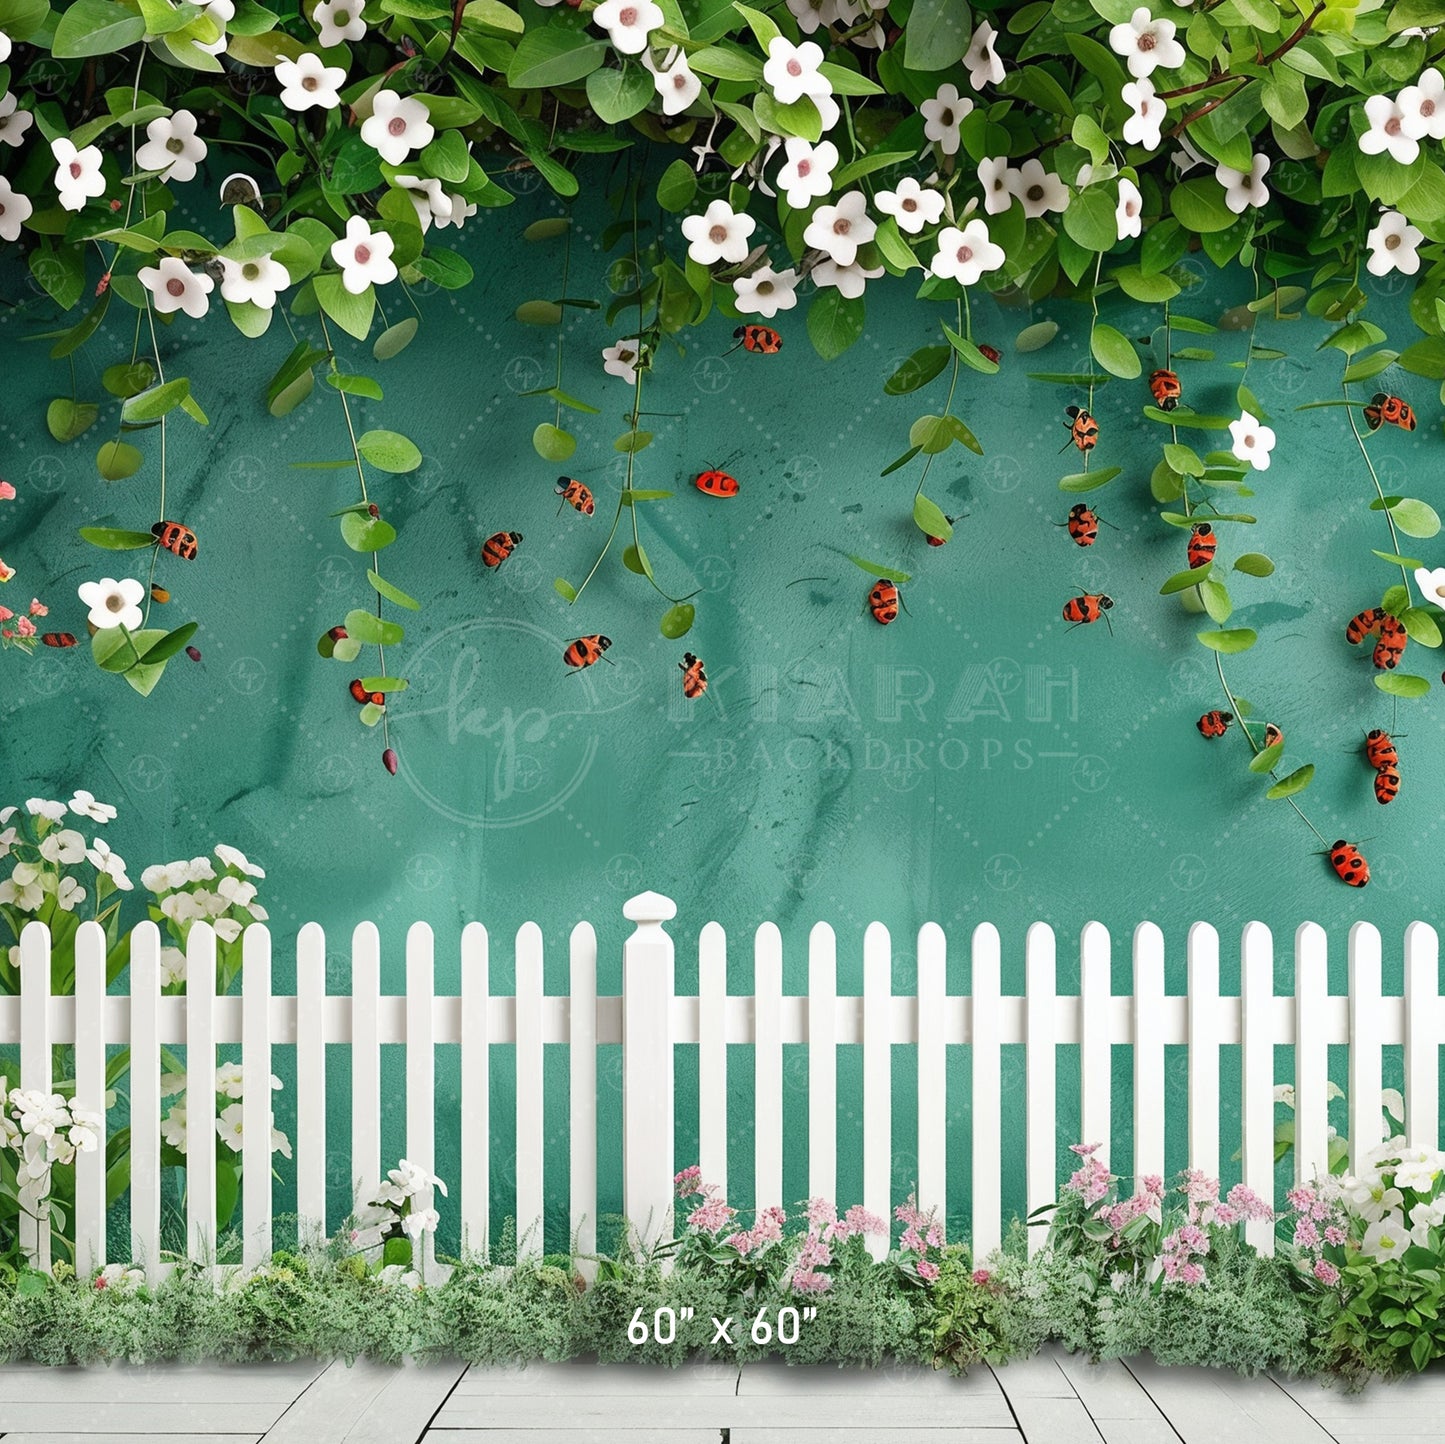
(976,761)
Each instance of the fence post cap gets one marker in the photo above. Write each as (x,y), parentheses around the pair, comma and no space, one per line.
(649,907)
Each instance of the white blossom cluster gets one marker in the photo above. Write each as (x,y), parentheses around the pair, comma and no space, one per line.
(393,1207)
(41,849)
(230,1114)
(42,1130)
(190,891)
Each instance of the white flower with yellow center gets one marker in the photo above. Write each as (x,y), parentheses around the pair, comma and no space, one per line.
(766,291)
(172,147)
(112,603)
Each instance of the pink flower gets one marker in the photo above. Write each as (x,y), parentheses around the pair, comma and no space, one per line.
(769,1227)
(6,572)
(742,1241)
(820,1212)
(981,1277)
(808,1281)
(927,1270)
(688,1181)
(911,1239)
(859,1220)
(1334,1235)
(1192,1273)
(1306,1235)
(1301,1198)
(908,1212)
(1084,1149)
(1326,1272)
(5,614)
(1226,1214)
(1248,1203)
(1320,1210)
(935,1236)
(1091,1182)
(7,492)
(38,608)
(711,1216)
(1153,1185)
(25,627)
(1199,1186)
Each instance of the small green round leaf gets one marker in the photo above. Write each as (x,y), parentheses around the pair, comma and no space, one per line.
(551,443)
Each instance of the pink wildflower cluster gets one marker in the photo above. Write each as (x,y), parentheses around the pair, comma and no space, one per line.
(1181,1251)
(23,633)
(767,1229)
(1092,1180)
(688,1182)
(1318,1223)
(824,1229)
(813,1257)
(713,1214)
(921,1232)
(1205,1205)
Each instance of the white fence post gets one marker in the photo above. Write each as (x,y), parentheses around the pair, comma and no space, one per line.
(877,1081)
(647,993)
(256,1119)
(1147,1025)
(476,1091)
(822,1062)
(712,1056)
(932,1072)
(1041,1039)
(201,1237)
(582,1128)
(311,1083)
(530,1142)
(1366,1072)
(767,1068)
(1203,1009)
(145,1099)
(90,1093)
(1311,1054)
(421,1077)
(1256,1022)
(1095,1052)
(365,1061)
(1422,1036)
(35,1065)
(986,1211)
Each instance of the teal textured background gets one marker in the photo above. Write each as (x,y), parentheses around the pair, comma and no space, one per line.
(975,761)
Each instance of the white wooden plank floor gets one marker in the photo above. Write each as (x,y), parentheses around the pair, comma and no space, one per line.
(1053,1398)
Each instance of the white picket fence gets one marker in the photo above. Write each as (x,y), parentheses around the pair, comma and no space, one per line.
(649,1019)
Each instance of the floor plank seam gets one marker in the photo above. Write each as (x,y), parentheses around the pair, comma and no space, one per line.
(1163,1413)
(427,1427)
(1301,1406)
(310,1384)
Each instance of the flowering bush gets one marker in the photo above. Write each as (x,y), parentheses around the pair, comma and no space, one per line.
(39,1133)
(390,1227)
(221,893)
(1370,1247)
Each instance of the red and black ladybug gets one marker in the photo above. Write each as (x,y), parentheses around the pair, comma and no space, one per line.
(761,339)
(883,601)
(171,536)
(1165,389)
(1386,410)
(1349,864)
(1202,544)
(716,483)
(499,546)
(1214,724)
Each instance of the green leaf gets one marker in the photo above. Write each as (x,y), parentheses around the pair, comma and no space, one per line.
(874,570)
(1415,518)
(157,401)
(1297,781)
(66,419)
(352,313)
(899,462)
(677,187)
(551,443)
(290,396)
(1397,561)
(677,620)
(936,36)
(539,313)
(363,532)
(1151,288)
(565,590)
(727,62)
(552,55)
(635,560)
(1239,639)
(115,540)
(970,353)
(127,379)
(1199,205)
(1421,626)
(835,322)
(389,451)
(961,433)
(1115,352)
(72,340)
(1089,220)
(918,370)
(1402,684)
(1035,337)
(370,630)
(1183,459)
(96,27)
(764,29)
(1182,581)
(618,95)
(395,339)
(450,271)
(1215,596)
(929,518)
(632,441)
(354,385)
(1265,760)
(631,496)
(168,646)
(1089,480)
(117,460)
(382,587)
(1254,564)
(931,434)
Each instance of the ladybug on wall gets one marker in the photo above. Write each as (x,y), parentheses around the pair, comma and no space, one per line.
(1364,624)
(1380,749)
(499,546)
(1214,724)
(1202,545)
(58,639)
(883,601)
(1088,608)
(716,483)
(1083,429)
(1349,864)
(694,676)
(1387,410)
(761,339)
(1083,524)
(1391,646)
(363,696)
(586,650)
(575,495)
(1165,389)
(171,536)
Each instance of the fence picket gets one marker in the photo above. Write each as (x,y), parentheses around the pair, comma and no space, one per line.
(932,1072)
(582,1126)
(35,1043)
(986,1059)
(311,1082)
(767,1067)
(877,1079)
(1204,1030)
(145,1099)
(1422,1036)
(1147,1027)
(1041,1038)
(648,989)
(1095,1052)
(712,1056)
(1311,1056)
(256,1097)
(1366,1070)
(421,1148)
(529,1152)
(1256,1005)
(201,1094)
(476,1101)
(90,1093)
(365,1062)
(822,1062)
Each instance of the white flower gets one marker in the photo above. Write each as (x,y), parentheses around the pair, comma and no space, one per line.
(112,604)
(674,81)
(1424,1217)
(417,1223)
(77,173)
(227,929)
(1394,246)
(1422,106)
(1142,127)
(766,291)
(996,178)
(308,81)
(42,806)
(230,1125)
(173,148)
(808,171)
(1243,190)
(178,288)
(172,1082)
(234,857)
(257,280)
(1038,190)
(15,209)
(1431,585)
(1146,43)
(1388,131)
(622,358)
(181,907)
(4,47)
(964,255)
(1387,1237)
(69,895)
(258,912)
(396,126)
(228,1080)
(791,71)
(913,206)
(339,20)
(1285,1094)
(984,66)
(117,1278)
(22,888)
(173,967)
(112,864)
(364,257)
(396,1274)
(462,209)
(942,117)
(83,804)
(13,122)
(810,14)
(64,847)
(173,1127)
(1127,213)
(628,23)
(1371,1199)
(280,1143)
(233,890)
(1253,442)
(1187,157)
(718,234)
(841,229)
(849,280)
